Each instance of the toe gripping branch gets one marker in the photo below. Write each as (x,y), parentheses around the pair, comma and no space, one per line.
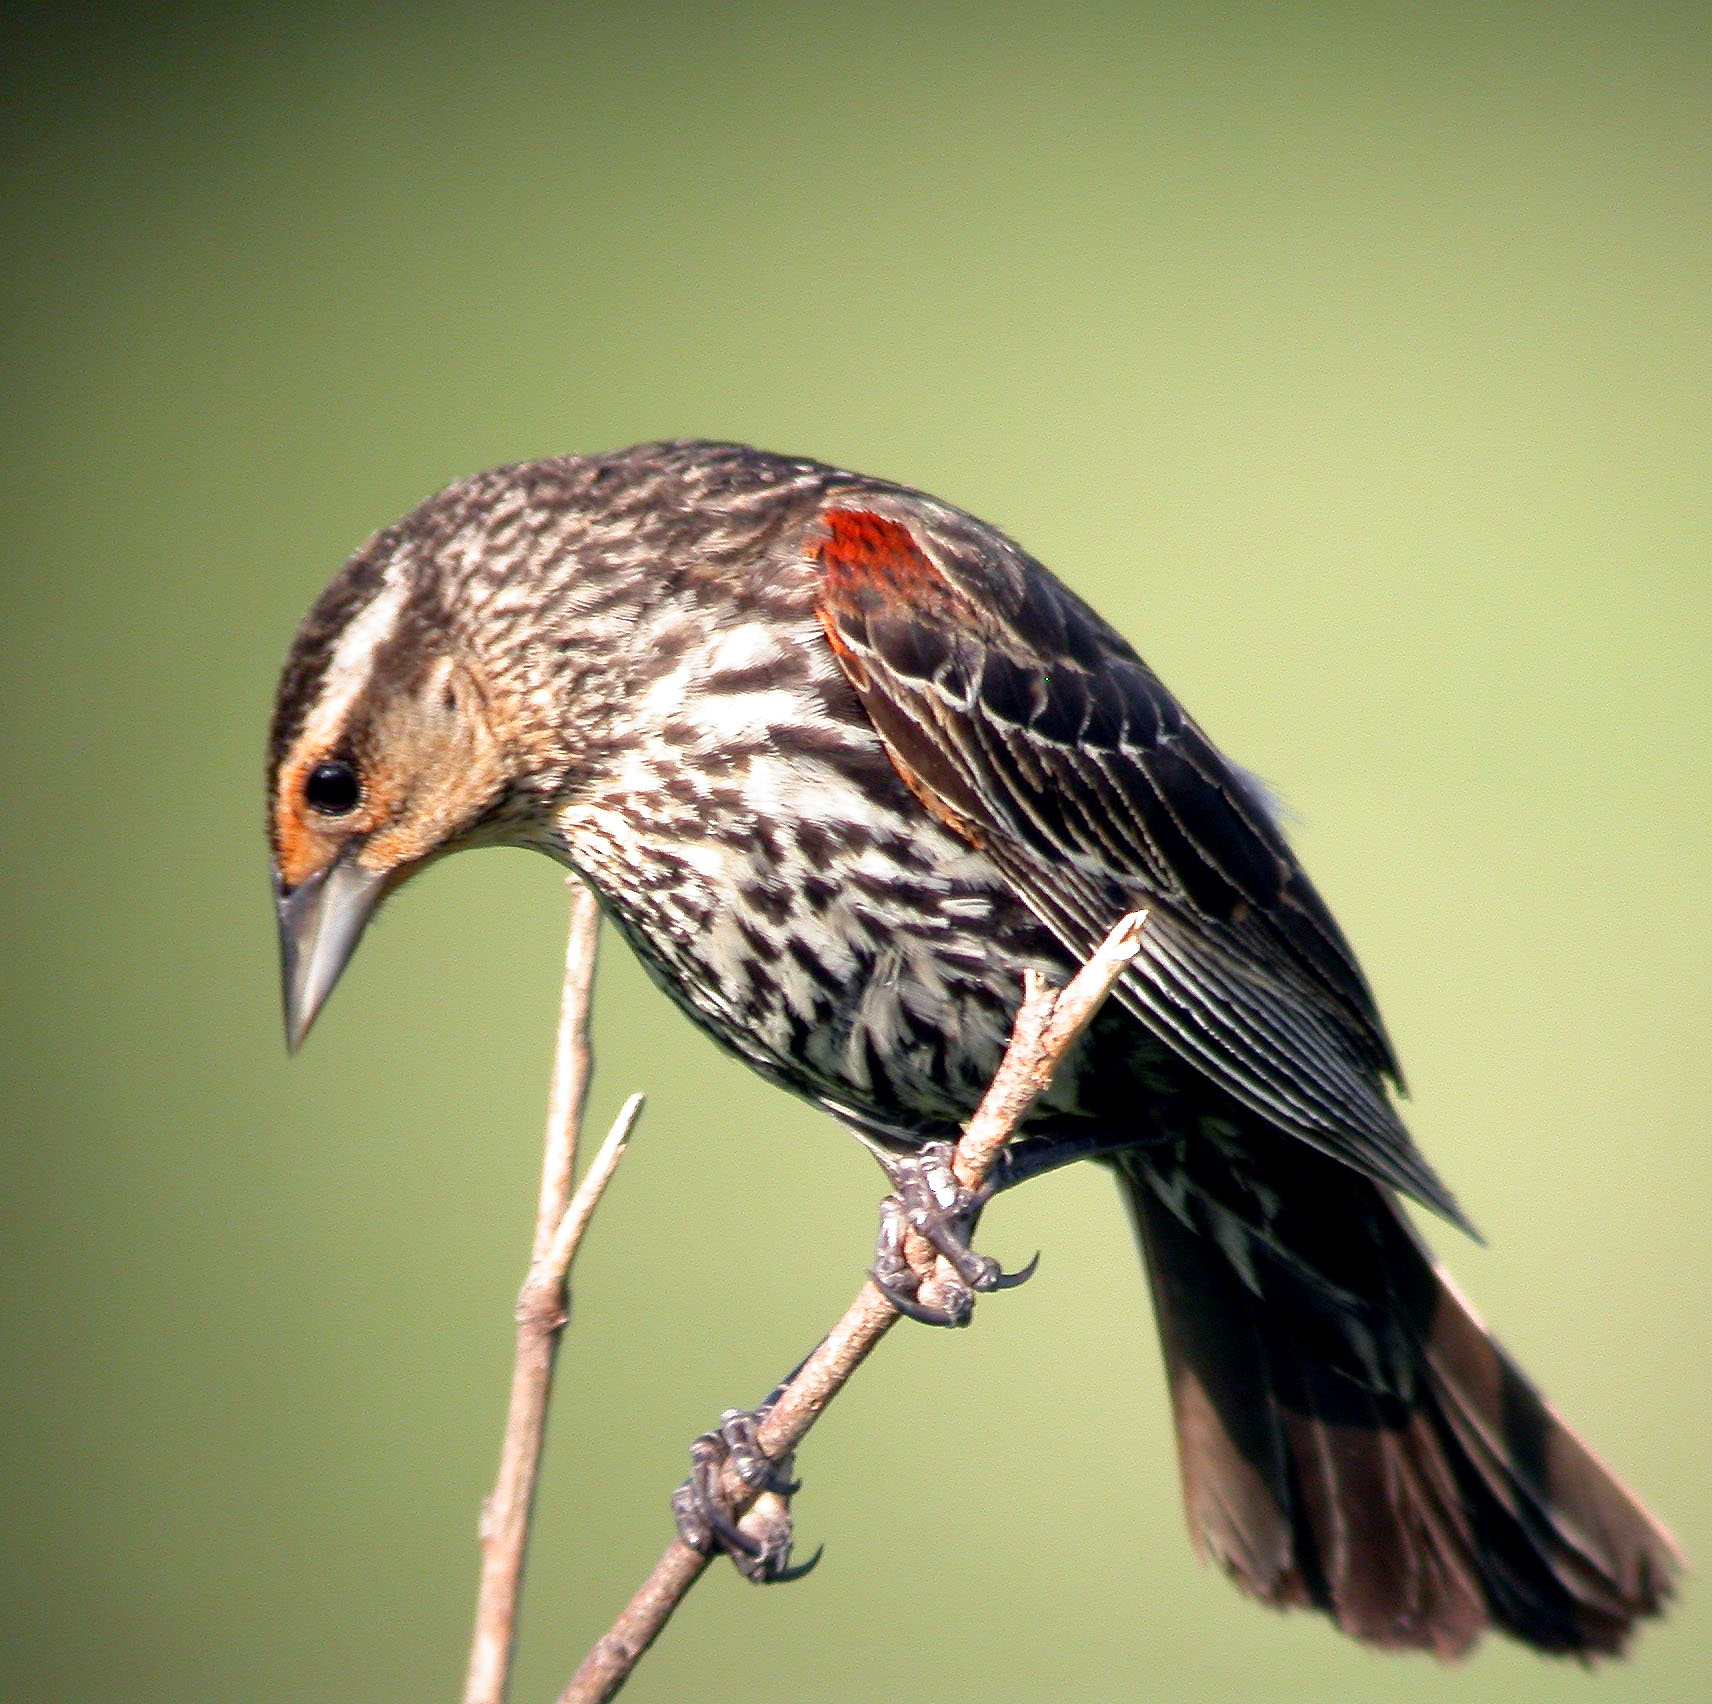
(707,1519)
(929,1200)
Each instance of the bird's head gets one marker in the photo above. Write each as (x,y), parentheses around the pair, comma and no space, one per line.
(385,754)
(484,663)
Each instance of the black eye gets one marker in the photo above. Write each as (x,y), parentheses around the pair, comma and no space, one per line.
(332,789)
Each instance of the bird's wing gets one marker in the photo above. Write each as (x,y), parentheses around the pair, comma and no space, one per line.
(1026,725)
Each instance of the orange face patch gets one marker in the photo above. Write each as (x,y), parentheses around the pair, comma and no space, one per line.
(299,850)
(428,766)
(305,843)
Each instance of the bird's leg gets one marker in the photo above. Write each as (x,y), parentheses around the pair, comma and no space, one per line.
(928,1199)
(706,1520)
(1033,1156)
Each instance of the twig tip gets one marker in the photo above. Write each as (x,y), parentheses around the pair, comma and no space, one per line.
(1124,942)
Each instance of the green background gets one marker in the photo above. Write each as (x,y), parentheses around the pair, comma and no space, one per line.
(1354,360)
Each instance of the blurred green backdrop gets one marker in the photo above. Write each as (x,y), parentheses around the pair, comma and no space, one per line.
(1355,360)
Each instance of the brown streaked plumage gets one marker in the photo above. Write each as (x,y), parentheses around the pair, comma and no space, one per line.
(842,762)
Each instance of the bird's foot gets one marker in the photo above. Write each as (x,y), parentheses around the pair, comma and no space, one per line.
(929,1200)
(758,1540)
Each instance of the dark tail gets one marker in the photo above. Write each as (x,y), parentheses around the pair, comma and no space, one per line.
(1350,1436)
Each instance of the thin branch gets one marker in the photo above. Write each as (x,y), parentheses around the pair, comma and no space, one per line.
(589,1191)
(573,1067)
(542,1308)
(1047,1025)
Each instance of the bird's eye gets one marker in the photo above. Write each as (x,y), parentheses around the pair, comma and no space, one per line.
(332,789)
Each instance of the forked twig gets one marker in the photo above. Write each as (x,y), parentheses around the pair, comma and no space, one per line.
(1048,1022)
(542,1309)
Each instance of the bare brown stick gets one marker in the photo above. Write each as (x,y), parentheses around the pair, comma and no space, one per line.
(1048,1022)
(542,1308)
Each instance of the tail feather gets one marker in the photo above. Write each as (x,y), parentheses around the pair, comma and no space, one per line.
(1575,1558)
(1351,1438)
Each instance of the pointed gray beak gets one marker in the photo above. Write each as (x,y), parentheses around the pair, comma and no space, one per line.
(320,922)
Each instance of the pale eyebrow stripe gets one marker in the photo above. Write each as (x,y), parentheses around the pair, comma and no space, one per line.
(352,661)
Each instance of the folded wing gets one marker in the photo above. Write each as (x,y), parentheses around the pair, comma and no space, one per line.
(1027,725)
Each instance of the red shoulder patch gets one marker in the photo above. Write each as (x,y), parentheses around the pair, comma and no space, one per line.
(871,561)
(872,567)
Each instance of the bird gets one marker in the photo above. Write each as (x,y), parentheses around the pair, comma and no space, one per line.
(842,763)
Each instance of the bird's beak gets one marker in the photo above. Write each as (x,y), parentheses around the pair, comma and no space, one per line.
(320,922)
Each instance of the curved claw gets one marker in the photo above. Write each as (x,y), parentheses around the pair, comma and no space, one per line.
(708,1523)
(785,1576)
(910,1308)
(1010,1280)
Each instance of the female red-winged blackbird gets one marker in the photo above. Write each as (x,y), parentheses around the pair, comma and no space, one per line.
(841,763)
